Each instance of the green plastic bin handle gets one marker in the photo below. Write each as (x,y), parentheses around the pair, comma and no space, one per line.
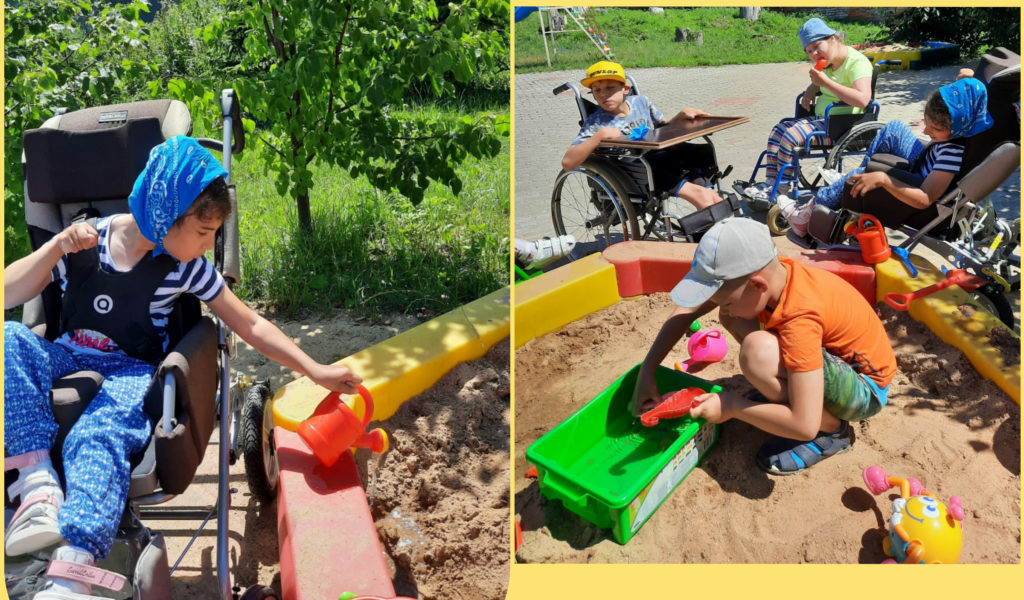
(576,498)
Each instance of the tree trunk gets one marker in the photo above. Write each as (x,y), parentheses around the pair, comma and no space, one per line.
(305,220)
(750,13)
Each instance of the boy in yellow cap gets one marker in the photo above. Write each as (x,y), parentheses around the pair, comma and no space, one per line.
(619,114)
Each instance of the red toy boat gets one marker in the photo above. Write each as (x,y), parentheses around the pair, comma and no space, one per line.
(673,406)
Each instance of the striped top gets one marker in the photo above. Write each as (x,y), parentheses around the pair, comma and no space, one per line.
(941,156)
(197,277)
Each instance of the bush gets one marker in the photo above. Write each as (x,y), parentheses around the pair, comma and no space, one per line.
(974,29)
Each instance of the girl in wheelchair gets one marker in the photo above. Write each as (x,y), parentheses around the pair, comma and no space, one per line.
(954,112)
(120,278)
(844,77)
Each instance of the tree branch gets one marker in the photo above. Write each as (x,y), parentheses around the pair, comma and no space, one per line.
(271,146)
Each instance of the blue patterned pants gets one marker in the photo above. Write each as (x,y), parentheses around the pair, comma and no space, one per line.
(96,450)
(895,138)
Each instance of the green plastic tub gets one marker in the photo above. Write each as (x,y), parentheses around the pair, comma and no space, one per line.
(603,465)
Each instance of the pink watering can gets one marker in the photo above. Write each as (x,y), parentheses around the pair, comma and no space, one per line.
(705,347)
(334,428)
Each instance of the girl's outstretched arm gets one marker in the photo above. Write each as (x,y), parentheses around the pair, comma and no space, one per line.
(270,341)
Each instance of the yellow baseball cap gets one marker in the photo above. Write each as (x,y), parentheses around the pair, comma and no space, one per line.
(603,70)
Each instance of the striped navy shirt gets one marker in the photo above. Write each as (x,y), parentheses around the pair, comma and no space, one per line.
(941,156)
(197,277)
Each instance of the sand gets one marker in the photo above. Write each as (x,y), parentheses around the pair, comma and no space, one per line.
(440,496)
(956,432)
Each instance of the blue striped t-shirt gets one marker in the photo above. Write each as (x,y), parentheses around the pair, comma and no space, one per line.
(196,277)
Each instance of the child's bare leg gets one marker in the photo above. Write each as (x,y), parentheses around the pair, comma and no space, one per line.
(700,197)
(761,363)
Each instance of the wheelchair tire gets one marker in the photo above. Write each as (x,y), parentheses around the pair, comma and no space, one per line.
(258,449)
(993,298)
(777,224)
(854,143)
(590,203)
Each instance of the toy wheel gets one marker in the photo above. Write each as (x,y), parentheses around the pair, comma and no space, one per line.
(590,204)
(258,449)
(259,592)
(994,300)
(849,151)
(777,223)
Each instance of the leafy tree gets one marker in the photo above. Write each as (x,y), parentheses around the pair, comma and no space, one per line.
(61,53)
(971,28)
(326,80)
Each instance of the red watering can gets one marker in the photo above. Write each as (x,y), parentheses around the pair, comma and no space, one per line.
(334,428)
(870,234)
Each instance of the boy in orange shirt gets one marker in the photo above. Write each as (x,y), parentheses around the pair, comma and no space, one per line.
(809,343)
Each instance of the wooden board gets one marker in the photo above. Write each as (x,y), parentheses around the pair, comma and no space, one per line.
(678,132)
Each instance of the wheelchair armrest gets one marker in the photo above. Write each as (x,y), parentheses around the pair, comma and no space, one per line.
(193,365)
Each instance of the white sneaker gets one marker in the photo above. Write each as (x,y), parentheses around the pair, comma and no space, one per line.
(829,176)
(544,251)
(72,574)
(34,525)
(758,192)
(797,216)
(800,218)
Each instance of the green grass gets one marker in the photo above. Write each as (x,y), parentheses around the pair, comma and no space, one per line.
(641,39)
(372,251)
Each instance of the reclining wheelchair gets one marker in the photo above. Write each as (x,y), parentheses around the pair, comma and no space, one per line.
(845,136)
(963,226)
(81,165)
(612,196)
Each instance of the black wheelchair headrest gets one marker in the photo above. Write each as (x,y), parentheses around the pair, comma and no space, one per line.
(96,154)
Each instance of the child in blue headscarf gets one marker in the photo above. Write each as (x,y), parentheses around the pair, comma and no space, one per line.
(954,112)
(124,274)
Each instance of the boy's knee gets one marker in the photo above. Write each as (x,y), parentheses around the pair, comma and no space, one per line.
(759,352)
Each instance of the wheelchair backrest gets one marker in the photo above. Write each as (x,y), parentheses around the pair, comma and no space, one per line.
(999,70)
(86,162)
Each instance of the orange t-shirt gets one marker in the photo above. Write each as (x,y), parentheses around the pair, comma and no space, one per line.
(819,309)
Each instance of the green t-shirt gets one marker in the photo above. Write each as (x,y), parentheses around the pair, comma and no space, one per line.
(856,66)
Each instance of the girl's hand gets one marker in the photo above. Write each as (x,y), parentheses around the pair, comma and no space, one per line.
(337,378)
(865,182)
(818,78)
(77,237)
(711,408)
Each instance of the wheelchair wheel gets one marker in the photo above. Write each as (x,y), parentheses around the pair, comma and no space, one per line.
(258,449)
(590,204)
(849,151)
(992,297)
(777,223)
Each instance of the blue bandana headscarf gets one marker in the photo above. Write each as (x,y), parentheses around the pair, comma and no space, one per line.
(178,171)
(967,101)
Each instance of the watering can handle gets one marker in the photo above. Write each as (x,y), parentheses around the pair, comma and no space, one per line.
(367,404)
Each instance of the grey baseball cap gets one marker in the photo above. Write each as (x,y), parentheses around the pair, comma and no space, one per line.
(732,248)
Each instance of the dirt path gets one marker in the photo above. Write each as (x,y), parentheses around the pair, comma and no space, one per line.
(945,425)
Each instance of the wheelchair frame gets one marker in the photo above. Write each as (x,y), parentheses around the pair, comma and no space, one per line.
(858,130)
(132,533)
(620,201)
